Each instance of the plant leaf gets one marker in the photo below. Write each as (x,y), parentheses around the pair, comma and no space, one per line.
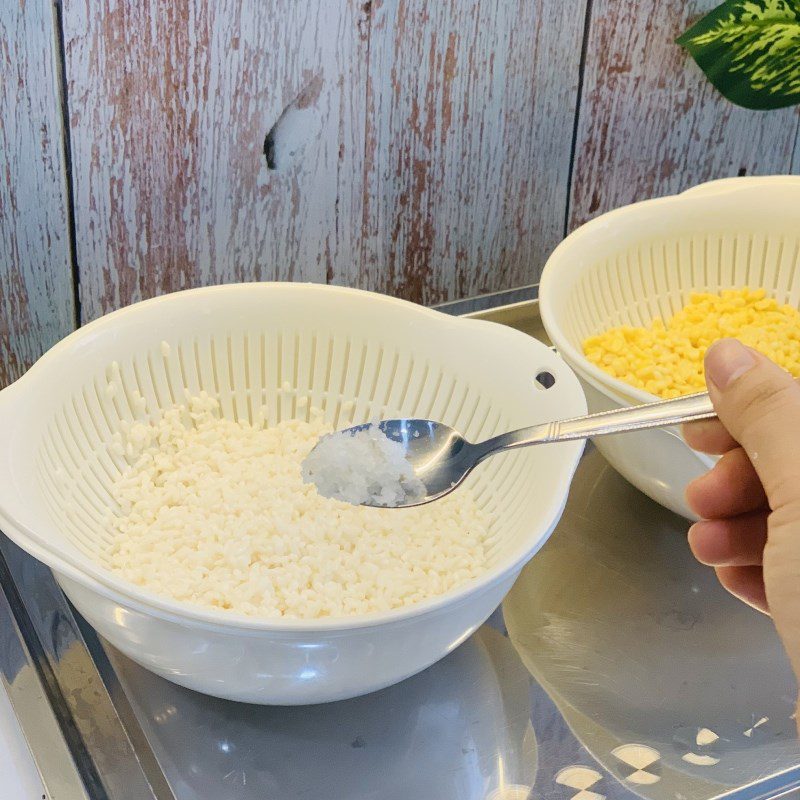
(750,50)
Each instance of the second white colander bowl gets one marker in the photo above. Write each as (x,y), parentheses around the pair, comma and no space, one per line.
(629,266)
(268,345)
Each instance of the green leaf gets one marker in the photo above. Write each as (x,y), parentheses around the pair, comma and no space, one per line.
(750,50)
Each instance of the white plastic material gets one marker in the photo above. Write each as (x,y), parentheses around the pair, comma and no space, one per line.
(267,346)
(642,261)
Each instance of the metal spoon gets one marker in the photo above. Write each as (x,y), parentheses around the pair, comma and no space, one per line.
(442,458)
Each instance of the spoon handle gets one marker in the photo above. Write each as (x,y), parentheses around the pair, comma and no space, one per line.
(650,415)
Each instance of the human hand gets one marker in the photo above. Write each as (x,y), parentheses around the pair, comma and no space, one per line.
(750,500)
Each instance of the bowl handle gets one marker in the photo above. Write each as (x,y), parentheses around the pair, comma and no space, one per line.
(8,404)
(6,413)
(8,499)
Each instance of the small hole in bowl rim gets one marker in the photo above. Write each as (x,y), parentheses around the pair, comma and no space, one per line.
(544,379)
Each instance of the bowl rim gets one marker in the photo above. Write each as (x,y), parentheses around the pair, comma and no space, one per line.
(100,580)
(613,387)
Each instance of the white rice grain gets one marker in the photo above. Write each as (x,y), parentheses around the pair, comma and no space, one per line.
(215,513)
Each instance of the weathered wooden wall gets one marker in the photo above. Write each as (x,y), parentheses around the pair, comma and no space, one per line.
(469,113)
(170,103)
(430,150)
(651,124)
(36,294)
(418,146)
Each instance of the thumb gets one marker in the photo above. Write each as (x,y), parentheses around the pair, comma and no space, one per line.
(759,404)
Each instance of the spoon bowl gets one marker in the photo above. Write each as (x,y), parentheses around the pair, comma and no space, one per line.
(442,458)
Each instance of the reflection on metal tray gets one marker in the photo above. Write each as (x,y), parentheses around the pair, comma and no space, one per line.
(616,668)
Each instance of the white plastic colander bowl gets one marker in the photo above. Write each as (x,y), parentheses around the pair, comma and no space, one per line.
(642,261)
(242,343)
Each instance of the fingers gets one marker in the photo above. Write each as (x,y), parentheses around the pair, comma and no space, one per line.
(730,488)
(782,577)
(746,583)
(759,404)
(735,542)
(708,436)
(752,495)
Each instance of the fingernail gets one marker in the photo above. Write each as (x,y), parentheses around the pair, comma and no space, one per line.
(727,360)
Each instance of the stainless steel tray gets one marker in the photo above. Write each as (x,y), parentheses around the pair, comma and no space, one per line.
(609,669)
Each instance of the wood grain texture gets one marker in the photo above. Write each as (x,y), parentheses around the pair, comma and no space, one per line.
(36,302)
(651,123)
(795,168)
(170,105)
(422,149)
(470,109)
